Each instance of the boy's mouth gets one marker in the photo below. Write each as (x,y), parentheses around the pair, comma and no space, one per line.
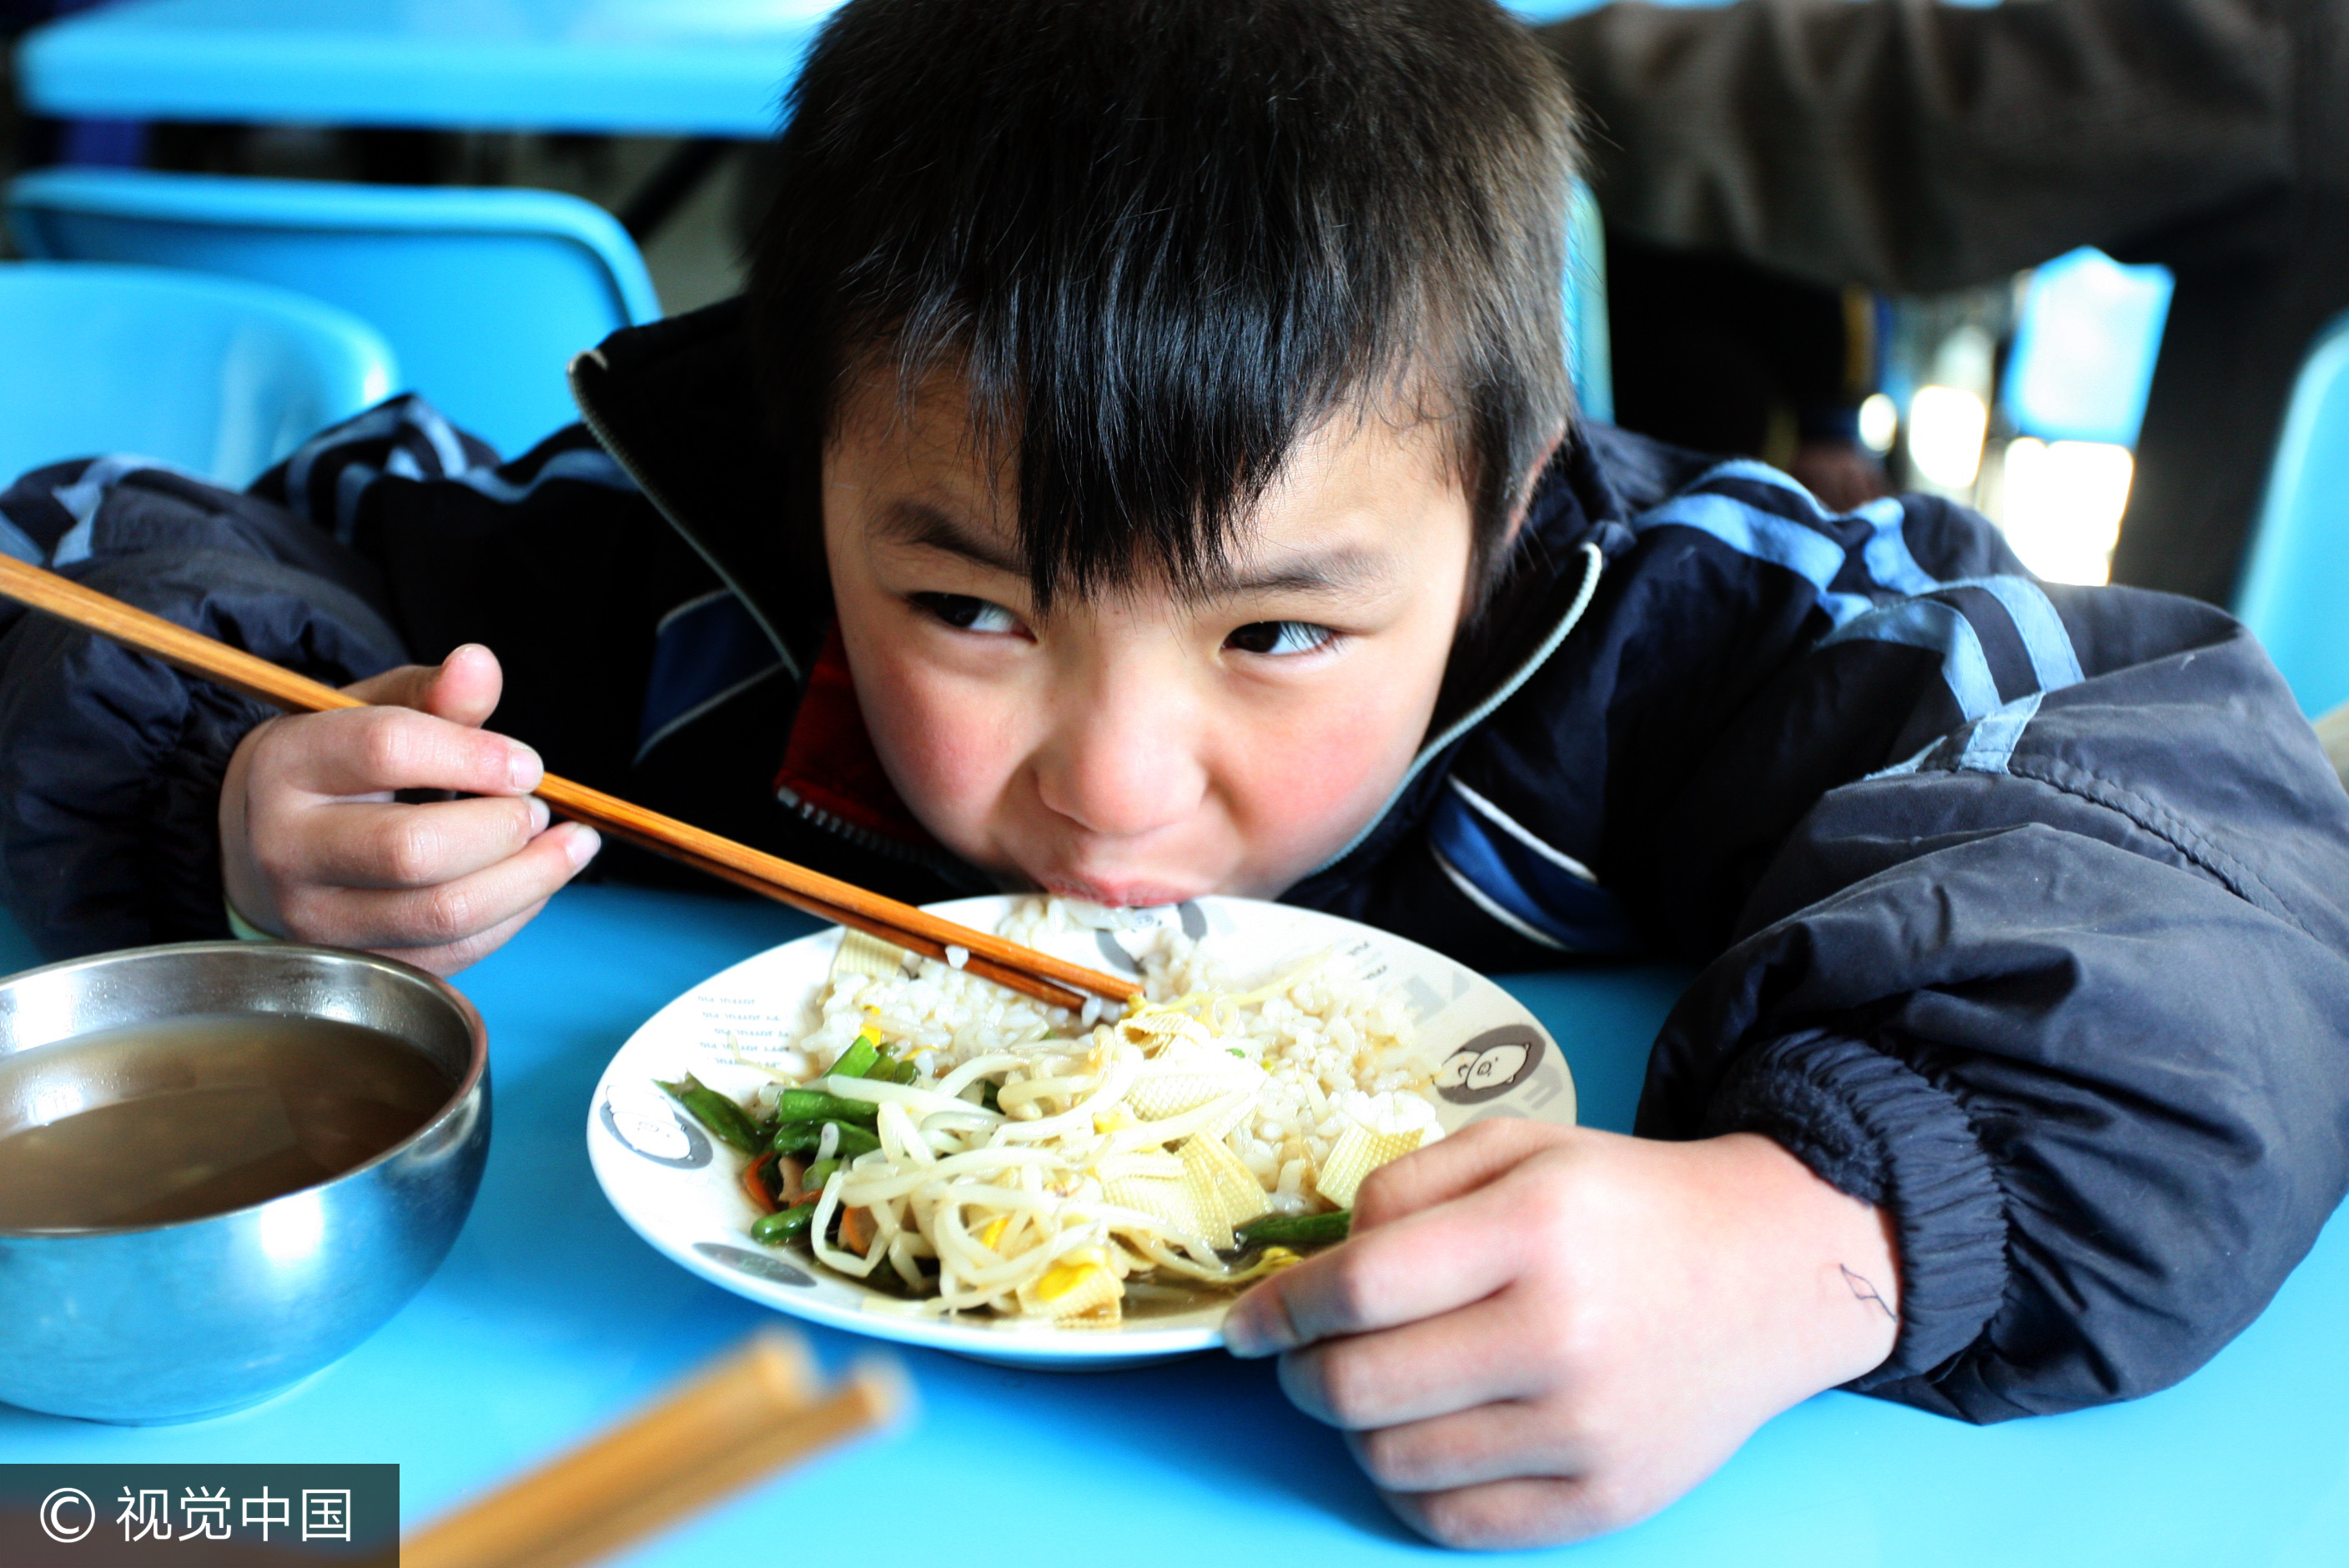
(1116,894)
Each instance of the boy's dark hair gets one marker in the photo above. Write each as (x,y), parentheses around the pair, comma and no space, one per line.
(1162,239)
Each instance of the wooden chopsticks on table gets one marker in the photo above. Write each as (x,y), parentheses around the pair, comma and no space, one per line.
(747,1414)
(1038,975)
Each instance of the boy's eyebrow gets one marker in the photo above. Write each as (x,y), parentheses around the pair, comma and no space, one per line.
(912,522)
(1315,571)
(1331,571)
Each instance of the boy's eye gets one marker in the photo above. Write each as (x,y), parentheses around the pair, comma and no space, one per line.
(964,613)
(1279,637)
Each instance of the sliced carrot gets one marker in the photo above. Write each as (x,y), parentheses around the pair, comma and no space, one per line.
(755,1188)
(856,1231)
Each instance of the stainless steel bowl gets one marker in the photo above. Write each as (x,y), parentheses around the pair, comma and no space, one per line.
(176,1322)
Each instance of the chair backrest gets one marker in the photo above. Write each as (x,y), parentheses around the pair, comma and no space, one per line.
(2295,587)
(485,294)
(2084,347)
(1590,357)
(212,374)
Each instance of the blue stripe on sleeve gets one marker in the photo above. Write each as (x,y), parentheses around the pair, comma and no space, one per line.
(1992,745)
(1766,536)
(2054,660)
(1886,554)
(581,465)
(1533,889)
(707,651)
(1936,628)
(15,541)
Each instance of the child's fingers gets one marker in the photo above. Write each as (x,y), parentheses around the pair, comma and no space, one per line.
(366,845)
(1438,1366)
(452,956)
(1434,1261)
(1507,1515)
(463,689)
(1450,1168)
(451,912)
(368,750)
(1502,1441)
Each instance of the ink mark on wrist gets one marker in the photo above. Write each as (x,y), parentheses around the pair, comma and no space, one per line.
(1862,1290)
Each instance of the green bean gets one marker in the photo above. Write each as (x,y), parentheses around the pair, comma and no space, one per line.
(803,1138)
(1295,1230)
(858,1059)
(819,1173)
(783,1225)
(724,1119)
(814,1105)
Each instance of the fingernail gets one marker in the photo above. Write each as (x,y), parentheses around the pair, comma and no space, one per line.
(539,816)
(584,844)
(524,769)
(1241,1336)
(460,650)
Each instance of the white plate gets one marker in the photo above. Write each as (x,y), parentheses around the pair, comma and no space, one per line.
(682,1194)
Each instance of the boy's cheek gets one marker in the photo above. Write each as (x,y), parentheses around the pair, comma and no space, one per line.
(948,747)
(1318,771)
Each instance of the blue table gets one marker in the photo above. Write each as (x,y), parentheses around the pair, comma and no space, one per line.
(695,68)
(691,67)
(551,1318)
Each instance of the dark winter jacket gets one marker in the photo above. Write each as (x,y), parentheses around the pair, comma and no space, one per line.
(2024,910)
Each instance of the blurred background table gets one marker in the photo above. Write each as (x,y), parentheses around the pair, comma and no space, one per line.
(695,68)
(551,1318)
(699,67)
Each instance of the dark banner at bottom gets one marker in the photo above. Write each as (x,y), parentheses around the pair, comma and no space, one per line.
(198,1516)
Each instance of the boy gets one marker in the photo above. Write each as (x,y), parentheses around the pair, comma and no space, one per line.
(1143,467)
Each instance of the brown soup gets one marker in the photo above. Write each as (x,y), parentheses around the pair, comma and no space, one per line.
(189,1117)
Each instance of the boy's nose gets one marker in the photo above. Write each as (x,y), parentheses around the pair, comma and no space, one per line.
(1120,775)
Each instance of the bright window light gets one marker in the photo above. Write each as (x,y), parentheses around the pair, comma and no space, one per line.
(2061,506)
(1945,434)
(1879,422)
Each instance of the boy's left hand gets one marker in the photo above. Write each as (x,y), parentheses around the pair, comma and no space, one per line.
(1538,1333)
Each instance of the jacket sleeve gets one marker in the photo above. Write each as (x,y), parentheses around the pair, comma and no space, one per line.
(2022,911)
(2031,909)
(1915,147)
(390,537)
(110,763)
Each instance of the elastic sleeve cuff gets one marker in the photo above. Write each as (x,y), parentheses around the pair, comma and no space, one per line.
(243,929)
(1872,1126)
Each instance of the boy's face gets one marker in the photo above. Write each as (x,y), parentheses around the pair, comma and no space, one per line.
(1144,747)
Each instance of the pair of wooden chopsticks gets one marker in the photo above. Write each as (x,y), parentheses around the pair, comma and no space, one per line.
(746,1415)
(1038,975)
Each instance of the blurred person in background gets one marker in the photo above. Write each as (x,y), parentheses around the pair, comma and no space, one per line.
(1714,352)
(1915,148)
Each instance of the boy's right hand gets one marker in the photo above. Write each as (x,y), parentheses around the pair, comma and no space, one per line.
(313,847)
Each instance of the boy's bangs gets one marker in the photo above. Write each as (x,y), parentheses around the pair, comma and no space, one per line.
(1162,239)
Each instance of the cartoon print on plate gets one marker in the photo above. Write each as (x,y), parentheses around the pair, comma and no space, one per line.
(682,1193)
(1489,1065)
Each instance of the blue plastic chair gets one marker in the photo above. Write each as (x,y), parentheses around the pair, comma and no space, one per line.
(1590,354)
(2084,348)
(484,293)
(215,376)
(2296,588)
